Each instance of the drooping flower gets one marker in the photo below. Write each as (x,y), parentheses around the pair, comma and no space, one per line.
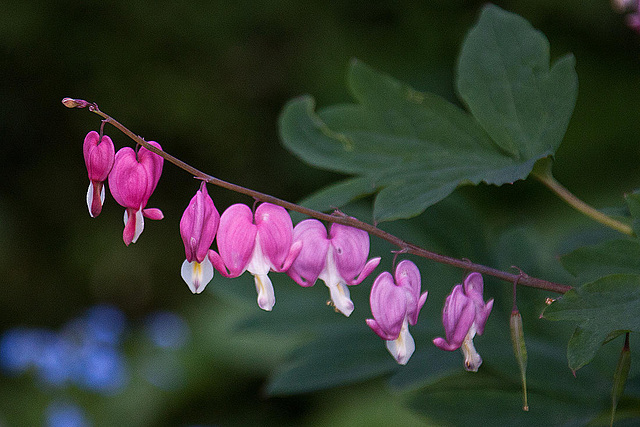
(132,180)
(395,304)
(465,314)
(338,260)
(256,243)
(99,155)
(198,228)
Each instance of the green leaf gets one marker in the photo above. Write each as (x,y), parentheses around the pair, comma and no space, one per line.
(464,399)
(604,308)
(593,262)
(415,148)
(332,360)
(505,79)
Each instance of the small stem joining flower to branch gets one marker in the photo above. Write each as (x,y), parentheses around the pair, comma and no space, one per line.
(404,246)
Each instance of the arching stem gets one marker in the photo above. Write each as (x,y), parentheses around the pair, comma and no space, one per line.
(339,218)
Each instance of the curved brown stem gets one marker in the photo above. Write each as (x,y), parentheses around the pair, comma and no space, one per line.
(404,246)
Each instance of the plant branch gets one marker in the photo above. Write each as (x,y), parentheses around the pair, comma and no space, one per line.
(405,247)
(542,173)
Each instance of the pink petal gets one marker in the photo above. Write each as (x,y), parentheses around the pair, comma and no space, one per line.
(198,225)
(134,225)
(474,287)
(351,249)
(442,344)
(458,315)
(153,213)
(296,247)
(407,277)
(152,164)
(378,330)
(276,233)
(482,315)
(218,263)
(95,198)
(312,257)
(236,238)
(128,180)
(388,306)
(368,269)
(98,156)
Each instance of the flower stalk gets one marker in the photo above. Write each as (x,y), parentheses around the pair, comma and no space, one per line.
(336,217)
(542,172)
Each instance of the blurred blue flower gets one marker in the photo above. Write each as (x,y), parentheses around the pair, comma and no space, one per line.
(101,368)
(87,352)
(105,323)
(19,348)
(55,360)
(167,330)
(59,414)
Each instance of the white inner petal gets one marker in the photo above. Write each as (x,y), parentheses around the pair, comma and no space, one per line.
(338,290)
(341,298)
(197,275)
(402,347)
(266,295)
(258,264)
(472,359)
(90,197)
(139,223)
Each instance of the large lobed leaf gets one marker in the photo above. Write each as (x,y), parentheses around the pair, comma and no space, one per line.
(604,309)
(415,148)
(593,262)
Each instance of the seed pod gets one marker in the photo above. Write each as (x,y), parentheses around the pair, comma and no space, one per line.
(520,351)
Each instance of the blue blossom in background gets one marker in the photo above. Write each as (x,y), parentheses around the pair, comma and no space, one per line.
(64,414)
(86,351)
(105,324)
(19,349)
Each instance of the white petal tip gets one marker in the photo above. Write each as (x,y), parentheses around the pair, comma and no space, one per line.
(341,300)
(402,348)
(197,275)
(266,295)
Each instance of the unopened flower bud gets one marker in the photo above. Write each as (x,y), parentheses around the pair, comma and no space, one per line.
(74,103)
(520,351)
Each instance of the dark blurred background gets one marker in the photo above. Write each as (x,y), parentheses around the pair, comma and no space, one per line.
(207,79)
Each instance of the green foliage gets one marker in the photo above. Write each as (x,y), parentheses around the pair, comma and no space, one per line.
(605,308)
(593,262)
(414,148)
(505,79)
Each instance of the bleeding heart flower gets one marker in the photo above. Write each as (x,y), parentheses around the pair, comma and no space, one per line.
(338,260)
(99,155)
(132,180)
(198,228)
(395,304)
(465,314)
(256,243)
